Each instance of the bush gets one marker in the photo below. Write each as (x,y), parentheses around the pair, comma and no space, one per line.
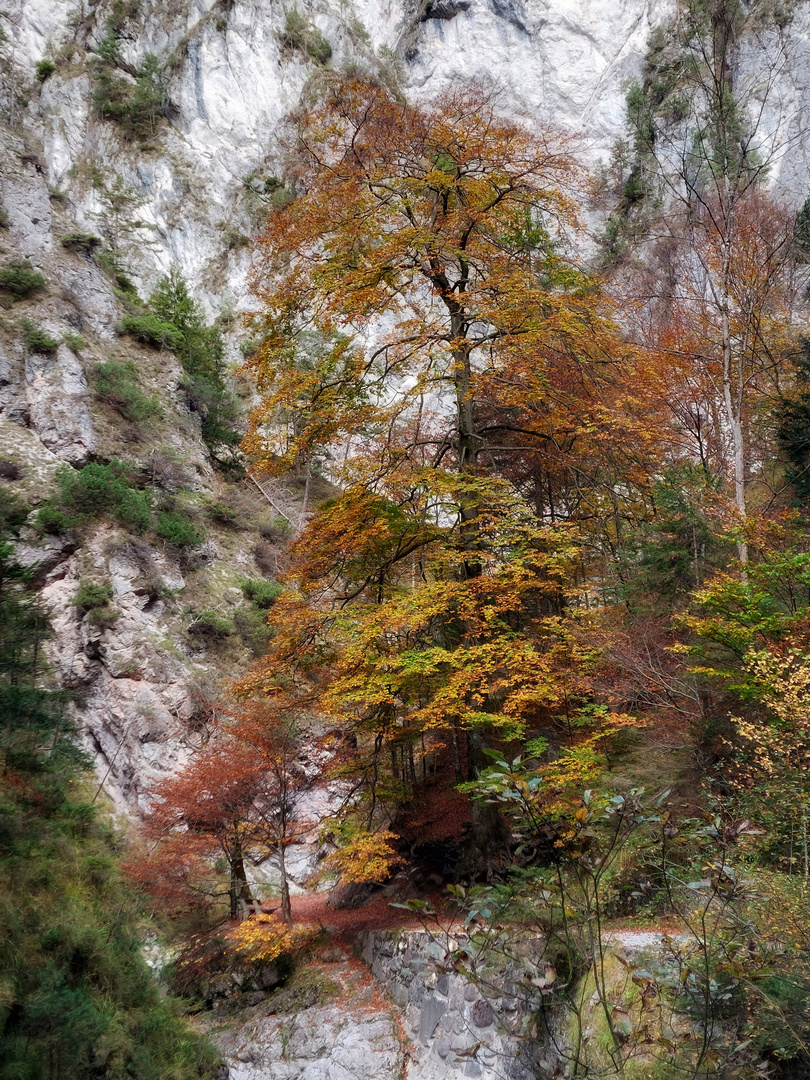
(20,279)
(266,557)
(74,342)
(52,520)
(90,595)
(252,628)
(299,33)
(80,242)
(13,511)
(10,470)
(94,600)
(95,490)
(261,593)
(150,330)
(116,384)
(234,508)
(135,510)
(38,340)
(178,530)
(211,626)
(44,68)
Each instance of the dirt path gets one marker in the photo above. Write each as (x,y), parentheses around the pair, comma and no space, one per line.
(375,914)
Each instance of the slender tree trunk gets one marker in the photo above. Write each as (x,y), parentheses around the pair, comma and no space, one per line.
(468,446)
(286,905)
(733,389)
(303,518)
(239,890)
(456,753)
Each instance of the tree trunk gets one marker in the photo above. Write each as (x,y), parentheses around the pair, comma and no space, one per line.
(286,906)
(239,889)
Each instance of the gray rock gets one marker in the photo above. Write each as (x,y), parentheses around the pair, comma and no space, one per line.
(432,1011)
(482,1015)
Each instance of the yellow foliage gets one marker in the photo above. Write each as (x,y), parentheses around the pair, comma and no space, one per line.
(263,938)
(368,857)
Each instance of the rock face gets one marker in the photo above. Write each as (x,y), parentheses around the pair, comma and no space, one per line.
(298,1035)
(454,1030)
(328,1043)
(231,82)
(430,1023)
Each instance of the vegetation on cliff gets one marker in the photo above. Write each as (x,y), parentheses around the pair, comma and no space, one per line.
(77,999)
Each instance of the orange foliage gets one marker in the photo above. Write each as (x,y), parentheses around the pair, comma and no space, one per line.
(420,323)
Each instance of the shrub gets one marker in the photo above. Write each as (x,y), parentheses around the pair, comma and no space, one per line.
(251,625)
(94,600)
(261,593)
(52,520)
(80,242)
(135,510)
(10,470)
(44,68)
(150,330)
(74,342)
(20,279)
(223,514)
(282,197)
(233,508)
(13,511)
(126,286)
(235,239)
(165,471)
(95,490)
(178,530)
(116,384)
(299,33)
(4,220)
(211,626)
(38,340)
(266,557)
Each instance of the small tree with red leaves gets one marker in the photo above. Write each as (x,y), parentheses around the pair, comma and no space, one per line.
(238,796)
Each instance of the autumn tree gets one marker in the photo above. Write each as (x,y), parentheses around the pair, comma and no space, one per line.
(238,799)
(207,809)
(273,743)
(719,273)
(426,255)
